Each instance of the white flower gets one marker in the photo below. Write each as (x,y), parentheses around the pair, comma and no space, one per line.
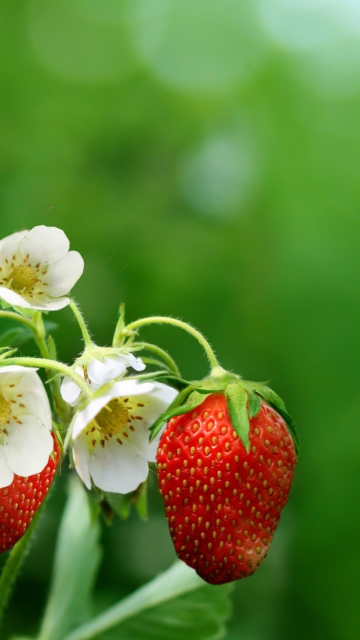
(111,434)
(99,372)
(25,424)
(37,269)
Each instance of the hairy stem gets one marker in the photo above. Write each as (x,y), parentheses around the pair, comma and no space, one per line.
(166,358)
(81,322)
(52,365)
(133,326)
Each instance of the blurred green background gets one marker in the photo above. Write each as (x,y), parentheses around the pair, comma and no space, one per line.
(204,157)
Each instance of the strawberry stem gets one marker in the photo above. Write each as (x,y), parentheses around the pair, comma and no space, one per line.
(167,359)
(81,322)
(130,328)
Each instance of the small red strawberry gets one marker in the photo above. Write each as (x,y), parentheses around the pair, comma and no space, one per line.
(224,492)
(21,499)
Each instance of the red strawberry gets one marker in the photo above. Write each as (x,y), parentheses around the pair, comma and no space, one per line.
(20,500)
(222,502)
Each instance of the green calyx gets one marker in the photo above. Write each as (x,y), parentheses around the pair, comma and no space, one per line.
(243,400)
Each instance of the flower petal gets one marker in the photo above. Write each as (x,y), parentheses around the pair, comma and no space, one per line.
(10,245)
(70,392)
(36,302)
(135,363)
(6,475)
(154,404)
(28,446)
(16,369)
(140,438)
(45,244)
(118,468)
(81,456)
(130,388)
(33,400)
(49,304)
(14,299)
(63,274)
(101,372)
(83,417)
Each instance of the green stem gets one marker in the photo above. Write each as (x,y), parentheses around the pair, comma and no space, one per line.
(81,322)
(16,316)
(36,325)
(53,365)
(181,325)
(61,407)
(161,353)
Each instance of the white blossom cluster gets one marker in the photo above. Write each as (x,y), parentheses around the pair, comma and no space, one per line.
(109,439)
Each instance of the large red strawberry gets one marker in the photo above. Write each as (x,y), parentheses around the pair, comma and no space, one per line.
(224,492)
(21,499)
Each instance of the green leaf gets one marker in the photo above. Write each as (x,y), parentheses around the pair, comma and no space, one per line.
(15,337)
(254,404)
(77,559)
(141,501)
(177,605)
(237,398)
(16,557)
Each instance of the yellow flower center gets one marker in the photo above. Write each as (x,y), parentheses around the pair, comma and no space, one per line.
(5,410)
(23,278)
(112,419)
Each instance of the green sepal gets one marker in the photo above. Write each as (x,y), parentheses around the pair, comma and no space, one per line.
(57,428)
(177,408)
(24,311)
(237,398)
(141,501)
(173,381)
(120,504)
(5,305)
(206,392)
(276,403)
(115,503)
(6,352)
(6,349)
(51,348)
(120,326)
(254,404)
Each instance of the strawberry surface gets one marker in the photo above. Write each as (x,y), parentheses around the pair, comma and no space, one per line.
(21,499)
(223,503)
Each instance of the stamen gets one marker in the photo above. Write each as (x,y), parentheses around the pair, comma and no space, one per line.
(22,278)
(5,411)
(112,419)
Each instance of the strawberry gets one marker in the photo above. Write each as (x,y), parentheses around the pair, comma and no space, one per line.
(21,499)
(225,468)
